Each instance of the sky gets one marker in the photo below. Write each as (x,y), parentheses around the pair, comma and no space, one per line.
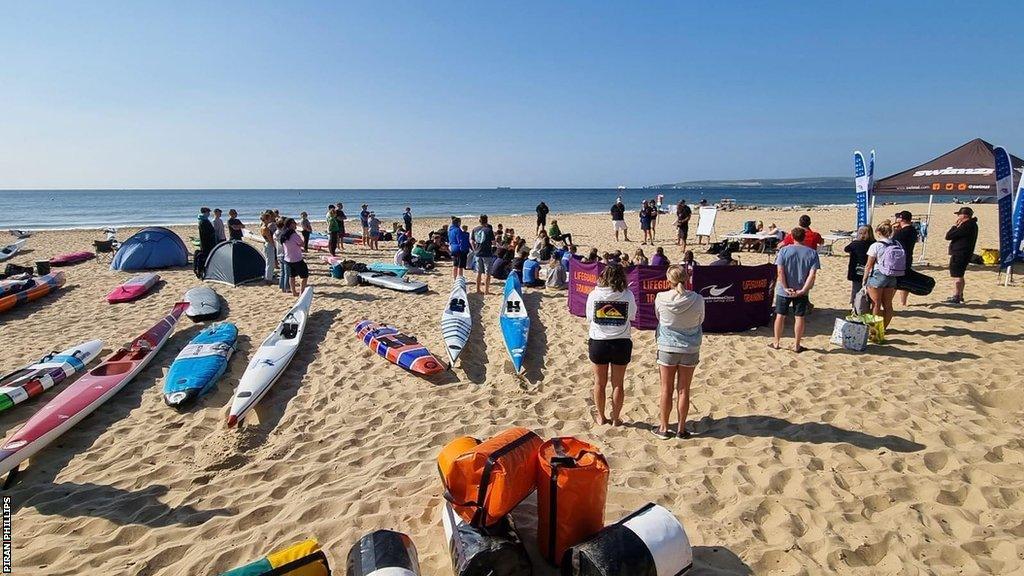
(384,94)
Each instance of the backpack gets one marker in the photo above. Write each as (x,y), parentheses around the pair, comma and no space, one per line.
(892,260)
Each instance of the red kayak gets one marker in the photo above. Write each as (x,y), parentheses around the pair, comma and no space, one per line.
(71,258)
(32,289)
(87,393)
(134,288)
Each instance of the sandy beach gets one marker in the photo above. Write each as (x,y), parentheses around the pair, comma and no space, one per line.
(905,459)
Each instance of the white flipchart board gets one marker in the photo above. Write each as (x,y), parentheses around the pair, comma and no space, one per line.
(706,223)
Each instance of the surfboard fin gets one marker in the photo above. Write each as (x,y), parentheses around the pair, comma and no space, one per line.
(12,476)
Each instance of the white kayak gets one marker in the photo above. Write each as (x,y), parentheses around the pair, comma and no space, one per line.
(456,320)
(10,250)
(271,359)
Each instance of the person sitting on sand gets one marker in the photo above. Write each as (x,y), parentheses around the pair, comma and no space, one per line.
(725,259)
(531,273)
(556,234)
(502,266)
(421,252)
(519,262)
(592,257)
(659,259)
(556,277)
(680,314)
(639,258)
(610,309)
(797,267)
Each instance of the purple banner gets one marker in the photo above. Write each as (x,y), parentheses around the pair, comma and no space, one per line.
(736,298)
(644,282)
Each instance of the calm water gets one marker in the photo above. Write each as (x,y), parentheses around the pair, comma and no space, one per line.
(49,209)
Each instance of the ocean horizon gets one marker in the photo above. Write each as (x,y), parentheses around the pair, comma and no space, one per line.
(88,209)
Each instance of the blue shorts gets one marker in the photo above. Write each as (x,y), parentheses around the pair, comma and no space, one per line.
(879,280)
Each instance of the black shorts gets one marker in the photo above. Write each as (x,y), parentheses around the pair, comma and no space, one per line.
(618,351)
(298,269)
(684,230)
(958,265)
(459,259)
(799,305)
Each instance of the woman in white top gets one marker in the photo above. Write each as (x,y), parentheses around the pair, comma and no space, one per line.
(878,278)
(680,315)
(610,309)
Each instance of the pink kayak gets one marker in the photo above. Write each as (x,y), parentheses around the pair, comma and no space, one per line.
(134,288)
(71,258)
(87,393)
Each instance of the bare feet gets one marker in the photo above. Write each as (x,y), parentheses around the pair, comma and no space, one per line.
(599,419)
(775,346)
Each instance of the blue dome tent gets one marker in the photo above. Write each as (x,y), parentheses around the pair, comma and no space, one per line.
(149,249)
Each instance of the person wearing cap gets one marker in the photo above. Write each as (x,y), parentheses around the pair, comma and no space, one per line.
(364,221)
(962,237)
(906,235)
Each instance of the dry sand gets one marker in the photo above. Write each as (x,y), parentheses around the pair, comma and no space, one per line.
(906,459)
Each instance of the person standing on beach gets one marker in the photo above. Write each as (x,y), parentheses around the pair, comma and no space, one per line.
(797,268)
(373,230)
(235,225)
(542,215)
(218,226)
(645,222)
(267,229)
(683,215)
(458,245)
(307,229)
(333,230)
(905,233)
(653,212)
(364,221)
(292,245)
(962,237)
(610,309)
(811,238)
(619,220)
(887,261)
(680,315)
(339,213)
(207,235)
(482,242)
(858,251)
(407,220)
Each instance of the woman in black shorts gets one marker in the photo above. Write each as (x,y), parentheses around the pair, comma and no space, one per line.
(610,309)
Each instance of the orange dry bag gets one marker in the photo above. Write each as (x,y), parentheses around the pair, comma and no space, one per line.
(572,484)
(485,482)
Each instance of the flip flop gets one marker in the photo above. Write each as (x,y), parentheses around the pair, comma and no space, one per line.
(799,349)
(685,435)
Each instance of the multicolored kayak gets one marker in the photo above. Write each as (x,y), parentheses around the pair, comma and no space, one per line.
(50,370)
(270,360)
(514,321)
(87,393)
(134,288)
(71,258)
(398,348)
(7,252)
(456,321)
(41,286)
(200,364)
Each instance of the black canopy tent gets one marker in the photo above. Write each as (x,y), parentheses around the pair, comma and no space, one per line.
(965,171)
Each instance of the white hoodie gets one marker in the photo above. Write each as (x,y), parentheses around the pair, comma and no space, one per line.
(679,321)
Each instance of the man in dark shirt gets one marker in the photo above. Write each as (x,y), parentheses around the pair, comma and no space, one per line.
(906,235)
(683,215)
(542,216)
(962,237)
(207,235)
(407,220)
(235,225)
(482,242)
(619,220)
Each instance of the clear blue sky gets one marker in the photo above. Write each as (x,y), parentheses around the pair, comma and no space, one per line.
(463,94)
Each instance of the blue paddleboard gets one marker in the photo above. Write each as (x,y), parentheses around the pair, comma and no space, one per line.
(196,369)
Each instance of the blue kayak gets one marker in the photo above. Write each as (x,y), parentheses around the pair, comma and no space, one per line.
(196,369)
(515,322)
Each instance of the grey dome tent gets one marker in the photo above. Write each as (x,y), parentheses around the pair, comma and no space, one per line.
(234,262)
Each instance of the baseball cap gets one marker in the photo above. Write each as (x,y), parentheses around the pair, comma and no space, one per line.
(965,211)
(905,215)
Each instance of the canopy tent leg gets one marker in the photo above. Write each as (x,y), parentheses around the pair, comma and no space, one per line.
(927,231)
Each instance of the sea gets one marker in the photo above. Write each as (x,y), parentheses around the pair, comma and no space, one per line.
(88,209)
